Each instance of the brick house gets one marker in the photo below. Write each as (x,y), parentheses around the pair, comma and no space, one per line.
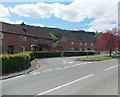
(19,38)
(77,42)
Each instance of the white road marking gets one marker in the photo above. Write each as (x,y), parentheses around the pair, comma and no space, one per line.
(65,84)
(36,73)
(84,63)
(58,68)
(48,70)
(13,78)
(71,62)
(75,65)
(67,67)
(64,61)
(111,67)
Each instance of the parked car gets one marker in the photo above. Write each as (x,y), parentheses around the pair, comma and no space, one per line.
(116,52)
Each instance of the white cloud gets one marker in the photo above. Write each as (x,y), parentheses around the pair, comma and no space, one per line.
(102,27)
(38,10)
(18,22)
(103,11)
(3,11)
(41,25)
(7,20)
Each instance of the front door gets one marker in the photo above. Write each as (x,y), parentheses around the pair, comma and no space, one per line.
(40,48)
(10,49)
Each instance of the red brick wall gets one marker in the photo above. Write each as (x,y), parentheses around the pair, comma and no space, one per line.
(13,40)
(66,44)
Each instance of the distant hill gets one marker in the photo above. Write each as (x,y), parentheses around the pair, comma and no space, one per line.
(61,32)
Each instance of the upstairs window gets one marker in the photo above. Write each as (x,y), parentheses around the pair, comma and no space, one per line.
(48,41)
(72,42)
(81,43)
(34,39)
(22,38)
(91,44)
(85,44)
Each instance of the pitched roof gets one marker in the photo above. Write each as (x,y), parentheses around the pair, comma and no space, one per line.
(27,30)
(81,38)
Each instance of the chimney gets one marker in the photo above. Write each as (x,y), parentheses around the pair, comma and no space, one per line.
(23,26)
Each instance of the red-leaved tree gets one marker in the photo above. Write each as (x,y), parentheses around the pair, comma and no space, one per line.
(107,42)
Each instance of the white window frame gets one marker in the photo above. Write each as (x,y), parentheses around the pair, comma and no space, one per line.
(92,44)
(72,49)
(22,48)
(85,44)
(80,49)
(34,39)
(72,42)
(81,43)
(22,38)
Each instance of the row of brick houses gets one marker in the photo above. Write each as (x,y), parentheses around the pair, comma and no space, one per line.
(19,38)
(78,42)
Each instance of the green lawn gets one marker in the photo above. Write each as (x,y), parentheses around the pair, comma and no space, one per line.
(96,58)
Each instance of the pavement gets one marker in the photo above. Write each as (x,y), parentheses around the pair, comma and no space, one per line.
(66,76)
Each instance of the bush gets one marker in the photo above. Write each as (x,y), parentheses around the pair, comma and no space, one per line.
(45,54)
(21,61)
(16,62)
(77,53)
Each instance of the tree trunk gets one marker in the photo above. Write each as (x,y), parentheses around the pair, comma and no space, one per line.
(110,52)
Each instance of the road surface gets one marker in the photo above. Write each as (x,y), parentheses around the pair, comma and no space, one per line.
(66,76)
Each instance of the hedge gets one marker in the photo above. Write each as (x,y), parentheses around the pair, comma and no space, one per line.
(46,54)
(16,62)
(77,53)
(21,61)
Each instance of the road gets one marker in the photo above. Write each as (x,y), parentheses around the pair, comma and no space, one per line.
(66,76)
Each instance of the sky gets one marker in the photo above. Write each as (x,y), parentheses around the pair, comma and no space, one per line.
(88,15)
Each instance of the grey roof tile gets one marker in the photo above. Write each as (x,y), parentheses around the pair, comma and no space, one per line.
(29,30)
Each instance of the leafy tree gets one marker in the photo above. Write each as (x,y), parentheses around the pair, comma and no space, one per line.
(97,34)
(107,41)
(55,40)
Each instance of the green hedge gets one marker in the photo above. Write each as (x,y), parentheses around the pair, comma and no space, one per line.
(77,53)
(16,62)
(21,61)
(45,54)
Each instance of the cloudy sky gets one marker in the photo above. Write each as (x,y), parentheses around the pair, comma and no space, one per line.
(89,15)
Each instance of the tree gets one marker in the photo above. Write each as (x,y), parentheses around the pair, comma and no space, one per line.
(107,41)
(55,40)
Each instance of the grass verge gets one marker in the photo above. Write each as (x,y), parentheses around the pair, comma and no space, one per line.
(36,63)
(96,58)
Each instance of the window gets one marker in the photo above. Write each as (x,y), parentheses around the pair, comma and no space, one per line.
(72,42)
(48,41)
(22,38)
(80,43)
(85,44)
(34,39)
(22,48)
(72,49)
(85,49)
(91,44)
(80,49)
(10,49)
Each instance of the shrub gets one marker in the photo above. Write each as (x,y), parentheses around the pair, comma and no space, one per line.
(16,62)
(21,61)
(77,53)
(45,54)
